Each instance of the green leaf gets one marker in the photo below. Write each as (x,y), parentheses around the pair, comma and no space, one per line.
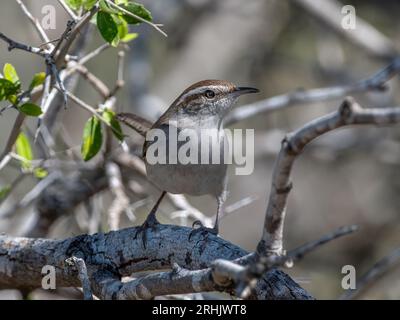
(129,37)
(122,30)
(4,191)
(11,74)
(24,150)
(109,116)
(74,4)
(13,99)
(40,173)
(7,88)
(137,9)
(30,109)
(37,80)
(118,2)
(89,4)
(107,26)
(105,7)
(92,138)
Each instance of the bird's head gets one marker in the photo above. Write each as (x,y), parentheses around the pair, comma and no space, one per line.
(210,98)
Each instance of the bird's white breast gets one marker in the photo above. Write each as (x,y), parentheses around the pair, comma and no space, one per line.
(193,179)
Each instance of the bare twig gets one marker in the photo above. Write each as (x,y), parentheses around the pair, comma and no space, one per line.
(68,9)
(94,53)
(157,284)
(32,195)
(377,271)
(13,185)
(66,34)
(13,135)
(349,113)
(97,84)
(46,90)
(60,58)
(36,24)
(365,35)
(80,265)
(120,74)
(86,106)
(375,82)
(17,45)
(248,277)
(187,210)
(121,201)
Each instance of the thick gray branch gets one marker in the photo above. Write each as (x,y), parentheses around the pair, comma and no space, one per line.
(110,256)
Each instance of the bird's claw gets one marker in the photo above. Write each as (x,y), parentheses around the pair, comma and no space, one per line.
(150,223)
(202,230)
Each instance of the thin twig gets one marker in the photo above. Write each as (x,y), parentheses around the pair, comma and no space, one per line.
(36,24)
(248,277)
(32,195)
(80,265)
(365,36)
(97,84)
(17,45)
(68,9)
(86,106)
(120,75)
(375,82)
(66,34)
(13,185)
(94,53)
(121,200)
(60,57)
(377,271)
(13,135)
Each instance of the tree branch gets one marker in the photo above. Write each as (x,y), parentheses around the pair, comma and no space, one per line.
(246,277)
(365,36)
(378,270)
(375,82)
(80,265)
(17,45)
(349,113)
(35,22)
(114,255)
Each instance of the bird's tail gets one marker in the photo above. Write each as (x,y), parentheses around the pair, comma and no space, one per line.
(135,122)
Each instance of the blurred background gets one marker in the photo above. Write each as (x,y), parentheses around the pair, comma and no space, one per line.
(350,176)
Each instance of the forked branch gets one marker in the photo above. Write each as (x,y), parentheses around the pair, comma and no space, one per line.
(349,113)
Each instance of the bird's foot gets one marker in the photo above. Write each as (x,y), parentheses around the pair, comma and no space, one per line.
(204,231)
(150,223)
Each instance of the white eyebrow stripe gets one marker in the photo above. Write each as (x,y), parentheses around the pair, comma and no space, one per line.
(199,90)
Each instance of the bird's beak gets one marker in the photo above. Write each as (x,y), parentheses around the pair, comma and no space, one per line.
(244,90)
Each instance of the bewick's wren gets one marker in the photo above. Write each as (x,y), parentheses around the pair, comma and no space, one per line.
(200,107)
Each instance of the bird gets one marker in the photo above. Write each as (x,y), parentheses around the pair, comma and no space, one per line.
(200,108)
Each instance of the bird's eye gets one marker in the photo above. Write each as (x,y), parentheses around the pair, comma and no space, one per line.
(209,94)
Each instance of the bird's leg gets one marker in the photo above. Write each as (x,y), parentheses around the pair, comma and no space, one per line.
(204,230)
(150,222)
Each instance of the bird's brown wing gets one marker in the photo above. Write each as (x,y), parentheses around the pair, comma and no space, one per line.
(135,122)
